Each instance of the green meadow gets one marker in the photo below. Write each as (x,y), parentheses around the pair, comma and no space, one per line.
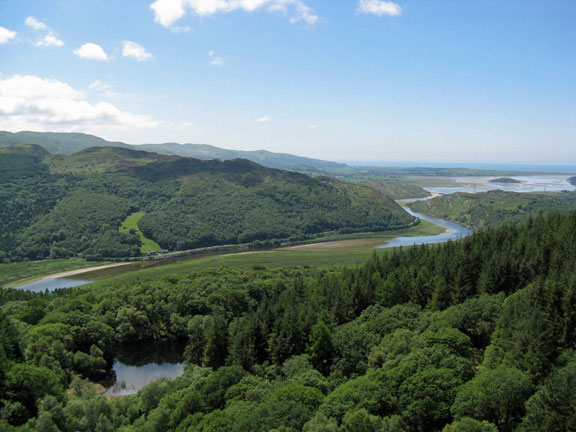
(131,223)
(343,250)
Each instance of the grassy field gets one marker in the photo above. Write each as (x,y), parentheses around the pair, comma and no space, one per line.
(342,249)
(31,269)
(131,222)
(345,252)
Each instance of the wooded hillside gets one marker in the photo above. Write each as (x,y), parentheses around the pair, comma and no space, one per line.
(62,206)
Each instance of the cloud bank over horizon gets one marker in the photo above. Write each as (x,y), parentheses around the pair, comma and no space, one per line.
(46,105)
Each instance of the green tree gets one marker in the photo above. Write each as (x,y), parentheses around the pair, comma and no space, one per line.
(320,423)
(194,352)
(26,384)
(468,424)
(426,397)
(393,423)
(351,347)
(497,396)
(553,406)
(242,350)
(361,421)
(216,349)
(320,347)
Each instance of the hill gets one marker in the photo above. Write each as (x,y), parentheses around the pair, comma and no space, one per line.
(70,143)
(62,206)
(505,180)
(496,207)
(22,161)
(102,159)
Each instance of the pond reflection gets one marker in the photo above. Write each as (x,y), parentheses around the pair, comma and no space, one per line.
(137,365)
(49,284)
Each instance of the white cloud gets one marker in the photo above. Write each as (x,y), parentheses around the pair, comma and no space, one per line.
(35,24)
(264,119)
(379,8)
(167,12)
(34,103)
(215,60)
(6,35)
(98,85)
(181,29)
(50,40)
(138,52)
(91,51)
(312,126)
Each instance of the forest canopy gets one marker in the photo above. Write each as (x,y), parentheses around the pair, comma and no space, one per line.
(473,335)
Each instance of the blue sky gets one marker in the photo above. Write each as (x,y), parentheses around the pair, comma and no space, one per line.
(366,80)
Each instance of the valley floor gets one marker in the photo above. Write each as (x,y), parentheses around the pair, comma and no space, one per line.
(348,249)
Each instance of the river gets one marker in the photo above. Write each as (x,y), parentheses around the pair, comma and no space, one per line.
(453,231)
(533,183)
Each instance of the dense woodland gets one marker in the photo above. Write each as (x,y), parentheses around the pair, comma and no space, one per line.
(477,335)
(57,206)
(495,208)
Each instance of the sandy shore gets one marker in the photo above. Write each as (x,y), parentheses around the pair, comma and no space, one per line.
(84,270)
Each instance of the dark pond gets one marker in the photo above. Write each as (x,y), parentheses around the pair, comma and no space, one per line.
(137,365)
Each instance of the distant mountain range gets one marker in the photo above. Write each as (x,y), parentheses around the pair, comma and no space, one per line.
(70,143)
(66,143)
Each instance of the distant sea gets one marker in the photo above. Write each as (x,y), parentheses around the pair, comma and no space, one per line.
(471,165)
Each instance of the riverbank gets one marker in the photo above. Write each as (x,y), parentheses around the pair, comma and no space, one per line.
(338,249)
(346,249)
(29,271)
(85,270)
(425,229)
